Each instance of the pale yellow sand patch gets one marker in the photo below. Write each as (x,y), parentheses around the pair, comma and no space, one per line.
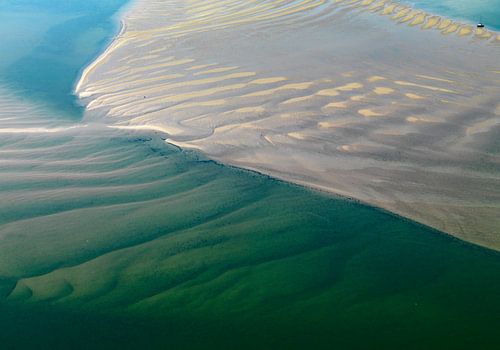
(328,92)
(369,113)
(297,135)
(201,66)
(379,90)
(336,105)
(366,2)
(444,23)
(431,22)
(378,6)
(358,98)
(350,87)
(401,13)
(451,29)
(256,109)
(297,99)
(271,80)
(483,33)
(216,70)
(375,78)
(414,96)
(389,9)
(410,16)
(465,30)
(419,19)
(295,86)
(332,124)
(435,78)
(429,87)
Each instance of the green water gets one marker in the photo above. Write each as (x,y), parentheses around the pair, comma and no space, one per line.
(117,240)
(146,246)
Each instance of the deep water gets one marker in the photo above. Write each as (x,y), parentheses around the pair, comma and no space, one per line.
(116,240)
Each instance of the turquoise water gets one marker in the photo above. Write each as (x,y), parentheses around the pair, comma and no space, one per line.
(46,43)
(118,240)
(468,11)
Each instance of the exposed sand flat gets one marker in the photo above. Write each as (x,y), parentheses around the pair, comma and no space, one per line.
(376,111)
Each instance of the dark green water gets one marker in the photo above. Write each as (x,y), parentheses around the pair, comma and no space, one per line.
(116,240)
(144,246)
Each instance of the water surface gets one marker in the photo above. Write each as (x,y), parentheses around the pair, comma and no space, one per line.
(110,239)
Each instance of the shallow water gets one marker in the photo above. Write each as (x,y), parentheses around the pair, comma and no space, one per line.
(111,239)
(487,11)
(46,43)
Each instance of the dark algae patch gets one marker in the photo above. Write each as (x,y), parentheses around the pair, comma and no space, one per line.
(148,246)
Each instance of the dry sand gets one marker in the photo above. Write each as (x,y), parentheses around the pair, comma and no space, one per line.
(367,99)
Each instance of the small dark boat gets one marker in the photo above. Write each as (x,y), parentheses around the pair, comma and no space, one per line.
(480,23)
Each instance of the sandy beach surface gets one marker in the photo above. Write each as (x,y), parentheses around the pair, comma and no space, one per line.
(367,99)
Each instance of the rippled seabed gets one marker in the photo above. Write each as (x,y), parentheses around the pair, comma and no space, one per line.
(111,239)
(104,233)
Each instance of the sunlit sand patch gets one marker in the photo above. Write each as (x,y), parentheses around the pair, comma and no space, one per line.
(342,105)
(389,9)
(161,65)
(201,66)
(358,98)
(169,130)
(264,81)
(465,30)
(349,87)
(375,78)
(369,113)
(366,2)
(297,135)
(257,109)
(414,96)
(333,124)
(269,139)
(431,22)
(429,87)
(483,33)
(377,6)
(419,19)
(210,103)
(444,23)
(379,90)
(401,13)
(294,86)
(410,16)
(328,92)
(451,28)
(37,130)
(216,70)
(435,78)
(297,99)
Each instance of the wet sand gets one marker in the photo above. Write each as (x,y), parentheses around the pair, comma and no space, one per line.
(367,99)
